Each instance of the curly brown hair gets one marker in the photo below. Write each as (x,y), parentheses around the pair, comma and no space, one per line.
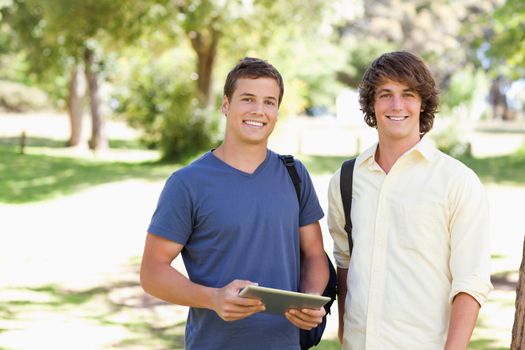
(406,68)
(252,68)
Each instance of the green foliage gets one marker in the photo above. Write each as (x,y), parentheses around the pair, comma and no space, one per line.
(429,28)
(161,100)
(359,55)
(54,35)
(507,42)
(462,88)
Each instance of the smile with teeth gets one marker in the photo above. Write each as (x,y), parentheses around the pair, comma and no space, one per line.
(254,123)
(396,118)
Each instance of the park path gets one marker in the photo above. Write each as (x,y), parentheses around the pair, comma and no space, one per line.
(94,239)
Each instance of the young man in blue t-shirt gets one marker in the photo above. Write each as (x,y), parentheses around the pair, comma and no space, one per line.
(234,217)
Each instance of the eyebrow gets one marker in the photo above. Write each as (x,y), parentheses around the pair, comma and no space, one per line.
(390,90)
(252,95)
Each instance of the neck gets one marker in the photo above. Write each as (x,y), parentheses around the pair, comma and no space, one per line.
(246,158)
(388,152)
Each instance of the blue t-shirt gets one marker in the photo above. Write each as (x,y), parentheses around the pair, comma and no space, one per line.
(236,225)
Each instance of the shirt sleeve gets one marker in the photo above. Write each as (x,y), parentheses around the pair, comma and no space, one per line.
(336,222)
(173,217)
(470,236)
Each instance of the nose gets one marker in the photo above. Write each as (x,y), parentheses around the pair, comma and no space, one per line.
(258,109)
(397,103)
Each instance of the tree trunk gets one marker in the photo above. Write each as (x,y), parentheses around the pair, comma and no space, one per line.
(518,330)
(76,91)
(205,45)
(98,138)
(498,99)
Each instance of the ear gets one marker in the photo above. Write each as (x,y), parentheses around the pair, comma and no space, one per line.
(225,105)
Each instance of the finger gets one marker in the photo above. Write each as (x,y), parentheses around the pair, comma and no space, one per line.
(314,312)
(236,308)
(299,322)
(304,319)
(232,315)
(240,301)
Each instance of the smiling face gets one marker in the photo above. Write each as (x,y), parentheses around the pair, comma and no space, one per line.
(397,110)
(252,111)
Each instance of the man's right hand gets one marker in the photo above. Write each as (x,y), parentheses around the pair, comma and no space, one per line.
(230,306)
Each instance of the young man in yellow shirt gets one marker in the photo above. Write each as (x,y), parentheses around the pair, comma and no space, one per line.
(419,269)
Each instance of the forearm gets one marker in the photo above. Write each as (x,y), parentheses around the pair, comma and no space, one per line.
(314,273)
(341,298)
(463,318)
(166,283)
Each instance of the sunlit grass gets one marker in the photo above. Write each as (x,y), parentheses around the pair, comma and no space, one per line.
(33,177)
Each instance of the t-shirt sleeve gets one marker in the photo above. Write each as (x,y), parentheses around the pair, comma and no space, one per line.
(310,210)
(172,218)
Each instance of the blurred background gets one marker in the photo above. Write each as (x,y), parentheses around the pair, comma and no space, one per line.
(101,100)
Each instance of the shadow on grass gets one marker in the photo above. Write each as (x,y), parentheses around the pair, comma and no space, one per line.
(99,304)
(33,177)
(505,280)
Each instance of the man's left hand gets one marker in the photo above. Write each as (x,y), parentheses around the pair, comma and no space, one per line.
(305,318)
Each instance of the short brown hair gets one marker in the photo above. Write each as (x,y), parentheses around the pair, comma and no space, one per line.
(252,68)
(406,68)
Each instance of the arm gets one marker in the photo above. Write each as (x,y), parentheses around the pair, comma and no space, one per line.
(161,280)
(341,297)
(336,222)
(314,275)
(463,317)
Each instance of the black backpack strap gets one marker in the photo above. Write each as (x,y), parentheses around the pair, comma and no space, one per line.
(346,180)
(312,337)
(289,162)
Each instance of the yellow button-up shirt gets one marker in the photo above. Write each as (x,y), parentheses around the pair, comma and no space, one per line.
(421,236)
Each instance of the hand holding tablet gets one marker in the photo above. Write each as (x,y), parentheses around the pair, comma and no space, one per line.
(277,301)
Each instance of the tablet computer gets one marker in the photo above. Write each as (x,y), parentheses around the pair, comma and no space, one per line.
(277,301)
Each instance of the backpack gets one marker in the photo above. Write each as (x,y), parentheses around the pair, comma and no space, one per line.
(312,337)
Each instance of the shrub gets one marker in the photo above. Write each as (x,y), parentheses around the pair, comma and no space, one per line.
(164,105)
(16,97)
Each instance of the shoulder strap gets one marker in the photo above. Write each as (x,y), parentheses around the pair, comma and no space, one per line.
(346,181)
(289,162)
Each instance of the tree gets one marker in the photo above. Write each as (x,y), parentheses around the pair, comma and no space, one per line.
(431,29)
(502,44)
(518,330)
(62,38)
(206,23)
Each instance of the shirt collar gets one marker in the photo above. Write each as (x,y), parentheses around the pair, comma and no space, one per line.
(424,147)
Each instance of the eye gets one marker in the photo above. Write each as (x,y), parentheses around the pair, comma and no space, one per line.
(384,96)
(270,102)
(247,99)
